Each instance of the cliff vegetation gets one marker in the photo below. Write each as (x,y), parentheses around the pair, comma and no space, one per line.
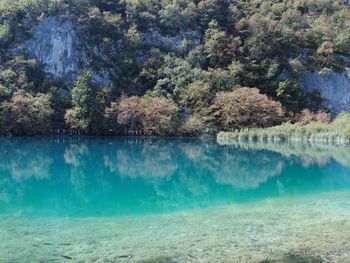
(164,67)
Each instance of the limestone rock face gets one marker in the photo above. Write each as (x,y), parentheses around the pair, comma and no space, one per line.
(334,88)
(55,44)
(154,38)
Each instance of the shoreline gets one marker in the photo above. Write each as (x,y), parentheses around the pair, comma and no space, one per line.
(262,136)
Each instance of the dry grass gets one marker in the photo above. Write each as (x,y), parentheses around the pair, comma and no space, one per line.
(335,132)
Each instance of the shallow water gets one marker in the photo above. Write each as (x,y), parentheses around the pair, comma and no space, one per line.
(172,200)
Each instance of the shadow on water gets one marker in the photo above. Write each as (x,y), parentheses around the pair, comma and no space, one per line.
(79,177)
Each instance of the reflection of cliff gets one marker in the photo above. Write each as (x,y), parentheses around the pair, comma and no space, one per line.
(247,169)
(148,160)
(238,168)
(76,156)
(160,164)
(24,159)
(309,154)
(86,169)
(76,153)
(145,159)
(129,175)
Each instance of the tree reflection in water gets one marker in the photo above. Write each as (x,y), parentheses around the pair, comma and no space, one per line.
(99,176)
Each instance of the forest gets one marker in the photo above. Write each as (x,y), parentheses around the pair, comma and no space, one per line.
(224,73)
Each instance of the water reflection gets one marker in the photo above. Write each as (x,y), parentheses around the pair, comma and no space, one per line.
(104,176)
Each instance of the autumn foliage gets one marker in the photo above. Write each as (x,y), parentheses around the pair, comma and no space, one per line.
(160,116)
(130,112)
(245,107)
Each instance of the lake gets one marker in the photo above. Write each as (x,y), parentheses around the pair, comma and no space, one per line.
(172,200)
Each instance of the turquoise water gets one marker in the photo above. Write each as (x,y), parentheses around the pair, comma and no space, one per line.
(103,199)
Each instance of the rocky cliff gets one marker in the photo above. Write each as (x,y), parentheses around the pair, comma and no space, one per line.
(334,88)
(56,44)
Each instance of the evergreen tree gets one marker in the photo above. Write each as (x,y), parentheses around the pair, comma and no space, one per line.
(81,115)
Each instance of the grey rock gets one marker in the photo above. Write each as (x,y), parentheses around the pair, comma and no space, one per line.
(283,76)
(154,38)
(55,45)
(342,59)
(304,55)
(334,88)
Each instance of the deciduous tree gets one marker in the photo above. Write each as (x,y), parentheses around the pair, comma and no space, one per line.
(160,116)
(245,107)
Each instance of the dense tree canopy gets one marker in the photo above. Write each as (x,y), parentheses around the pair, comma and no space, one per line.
(245,107)
(171,64)
(26,114)
(160,116)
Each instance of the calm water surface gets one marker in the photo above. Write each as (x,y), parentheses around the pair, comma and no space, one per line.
(172,200)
